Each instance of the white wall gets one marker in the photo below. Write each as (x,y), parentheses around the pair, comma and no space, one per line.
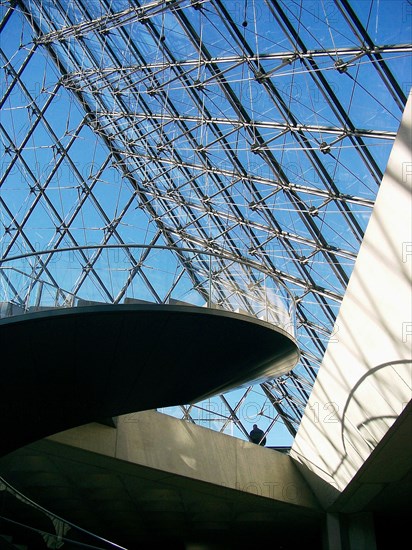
(365,379)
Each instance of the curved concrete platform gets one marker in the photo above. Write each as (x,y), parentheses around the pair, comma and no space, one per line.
(66,367)
(158,482)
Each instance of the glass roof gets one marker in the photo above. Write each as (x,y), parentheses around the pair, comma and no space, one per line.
(251,129)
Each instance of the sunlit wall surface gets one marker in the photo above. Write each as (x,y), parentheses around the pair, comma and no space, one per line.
(256,130)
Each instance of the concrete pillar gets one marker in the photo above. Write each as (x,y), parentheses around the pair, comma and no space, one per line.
(349,532)
(360,532)
(332,539)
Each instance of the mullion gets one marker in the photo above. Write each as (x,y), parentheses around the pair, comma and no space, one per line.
(311,222)
(16,74)
(265,228)
(381,67)
(270,159)
(63,151)
(327,92)
(289,117)
(318,166)
(55,212)
(269,269)
(189,134)
(84,185)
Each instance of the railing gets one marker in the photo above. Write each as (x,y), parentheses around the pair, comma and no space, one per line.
(64,531)
(125,274)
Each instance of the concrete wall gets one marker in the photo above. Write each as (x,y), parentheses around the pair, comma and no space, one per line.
(364,382)
(173,446)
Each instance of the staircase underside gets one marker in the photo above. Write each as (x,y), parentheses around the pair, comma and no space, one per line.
(63,368)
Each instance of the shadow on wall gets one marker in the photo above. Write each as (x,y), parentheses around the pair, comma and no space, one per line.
(365,380)
(374,428)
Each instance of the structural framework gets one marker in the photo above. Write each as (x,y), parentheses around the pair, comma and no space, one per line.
(141,140)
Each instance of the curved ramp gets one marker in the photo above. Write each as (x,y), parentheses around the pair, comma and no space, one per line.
(66,367)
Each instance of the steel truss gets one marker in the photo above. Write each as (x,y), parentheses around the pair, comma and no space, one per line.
(220,126)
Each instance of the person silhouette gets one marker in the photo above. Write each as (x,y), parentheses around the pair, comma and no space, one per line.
(257,436)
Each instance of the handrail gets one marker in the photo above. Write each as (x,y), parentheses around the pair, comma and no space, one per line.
(224,256)
(237,284)
(58,521)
